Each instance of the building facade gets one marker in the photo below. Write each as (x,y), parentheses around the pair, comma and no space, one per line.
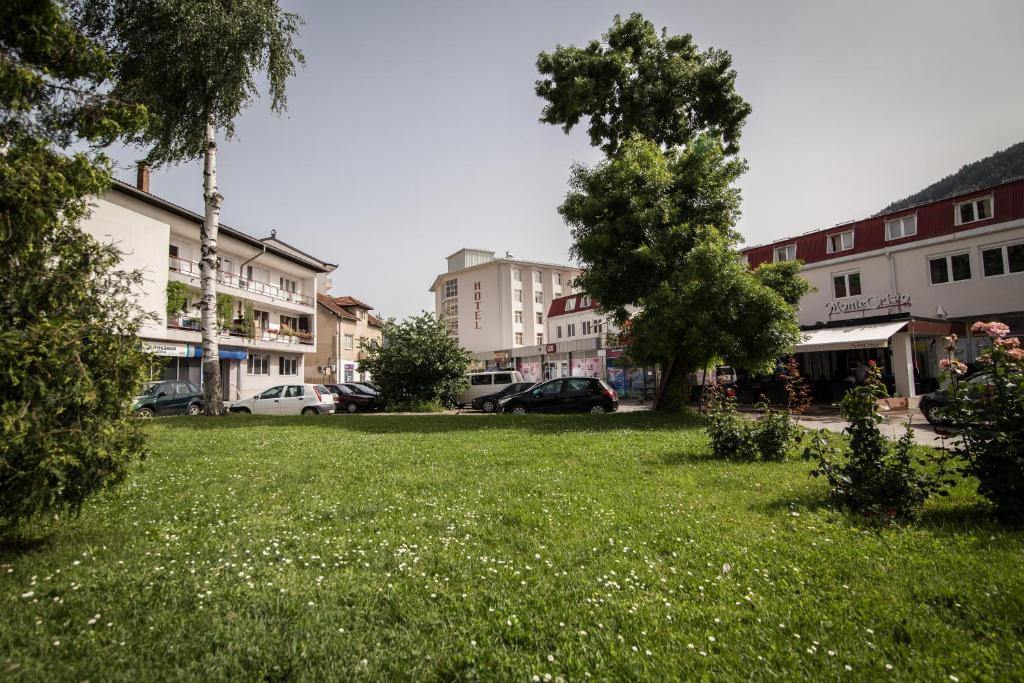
(272,288)
(343,324)
(497,306)
(887,288)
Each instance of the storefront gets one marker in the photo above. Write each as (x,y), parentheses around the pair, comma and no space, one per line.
(628,380)
(181,361)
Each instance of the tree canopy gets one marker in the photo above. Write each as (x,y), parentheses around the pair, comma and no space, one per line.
(70,358)
(635,81)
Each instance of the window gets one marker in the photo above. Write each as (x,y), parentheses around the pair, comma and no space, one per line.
(349,342)
(519,338)
(289,285)
(558,332)
(570,330)
(262,319)
(551,388)
(841,241)
(540,339)
(289,322)
(453,327)
(518,316)
(558,279)
(570,304)
(360,314)
(517,295)
(898,228)
(480,380)
(785,253)
(540,317)
(272,392)
(503,378)
(951,268)
(451,288)
(538,297)
(451,308)
(288,365)
(258,364)
(585,327)
(584,301)
(598,326)
(578,386)
(846,284)
(517,274)
(294,391)
(974,210)
(1002,260)
(537,277)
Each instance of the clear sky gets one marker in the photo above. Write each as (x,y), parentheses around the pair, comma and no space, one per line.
(413,129)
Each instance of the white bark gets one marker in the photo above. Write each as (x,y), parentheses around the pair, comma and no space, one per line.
(213,404)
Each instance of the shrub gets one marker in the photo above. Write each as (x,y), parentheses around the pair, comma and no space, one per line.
(774,433)
(798,391)
(872,477)
(990,415)
(732,436)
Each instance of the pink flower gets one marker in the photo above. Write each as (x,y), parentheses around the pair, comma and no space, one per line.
(1011,343)
(954,365)
(950,343)
(1016,354)
(995,330)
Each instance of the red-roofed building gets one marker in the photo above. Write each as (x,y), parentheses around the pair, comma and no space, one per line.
(345,323)
(889,286)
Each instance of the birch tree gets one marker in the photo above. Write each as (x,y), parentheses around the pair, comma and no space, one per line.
(194,64)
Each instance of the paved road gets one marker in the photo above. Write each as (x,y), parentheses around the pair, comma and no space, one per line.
(924,433)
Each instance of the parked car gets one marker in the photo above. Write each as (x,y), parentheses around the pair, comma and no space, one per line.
(348,400)
(935,405)
(489,402)
(172,397)
(482,383)
(363,388)
(288,399)
(566,395)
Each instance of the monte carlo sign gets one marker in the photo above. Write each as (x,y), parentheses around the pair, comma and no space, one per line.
(867,304)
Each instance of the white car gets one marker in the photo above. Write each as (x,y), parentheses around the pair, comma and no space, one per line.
(481,383)
(288,399)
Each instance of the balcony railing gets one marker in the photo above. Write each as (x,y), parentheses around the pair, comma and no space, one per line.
(191,268)
(236,330)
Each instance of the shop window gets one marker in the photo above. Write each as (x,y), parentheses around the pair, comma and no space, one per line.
(898,228)
(288,365)
(784,253)
(840,241)
(974,210)
(949,268)
(846,284)
(1002,260)
(258,364)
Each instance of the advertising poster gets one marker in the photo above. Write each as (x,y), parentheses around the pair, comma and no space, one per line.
(531,371)
(617,379)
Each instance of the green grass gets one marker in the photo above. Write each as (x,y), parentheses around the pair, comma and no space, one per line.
(442,547)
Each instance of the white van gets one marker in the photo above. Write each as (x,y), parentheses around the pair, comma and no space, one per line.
(483,383)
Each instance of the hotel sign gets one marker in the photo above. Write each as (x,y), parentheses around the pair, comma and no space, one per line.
(477,297)
(865,304)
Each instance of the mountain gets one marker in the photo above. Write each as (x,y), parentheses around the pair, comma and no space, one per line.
(992,170)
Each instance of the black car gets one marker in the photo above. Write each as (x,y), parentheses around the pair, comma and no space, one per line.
(489,402)
(348,400)
(935,405)
(566,395)
(171,397)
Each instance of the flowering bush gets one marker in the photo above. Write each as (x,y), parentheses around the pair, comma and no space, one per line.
(990,415)
(732,436)
(875,478)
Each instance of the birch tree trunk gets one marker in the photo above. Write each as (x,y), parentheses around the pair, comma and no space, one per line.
(212,403)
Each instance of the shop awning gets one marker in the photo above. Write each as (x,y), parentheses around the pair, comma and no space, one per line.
(852,337)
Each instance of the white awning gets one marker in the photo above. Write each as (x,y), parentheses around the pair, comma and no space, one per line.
(845,338)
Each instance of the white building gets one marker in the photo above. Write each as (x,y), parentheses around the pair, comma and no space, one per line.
(496,306)
(888,287)
(268,277)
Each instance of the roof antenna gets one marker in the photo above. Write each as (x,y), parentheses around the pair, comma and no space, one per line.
(273,234)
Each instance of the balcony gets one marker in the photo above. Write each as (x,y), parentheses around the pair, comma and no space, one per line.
(190,269)
(240,336)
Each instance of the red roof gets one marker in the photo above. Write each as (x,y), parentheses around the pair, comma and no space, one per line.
(934,219)
(351,301)
(558,306)
(328,303)
(374,320)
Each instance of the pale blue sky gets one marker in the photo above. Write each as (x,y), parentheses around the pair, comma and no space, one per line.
(413,129)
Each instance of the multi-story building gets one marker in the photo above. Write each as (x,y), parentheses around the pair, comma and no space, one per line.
(497,306)
(272,285)
(889,286)
(343,324)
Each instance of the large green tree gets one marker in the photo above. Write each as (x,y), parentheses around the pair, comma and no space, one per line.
(416,363)
(70,357)
(653,224)
(194,64)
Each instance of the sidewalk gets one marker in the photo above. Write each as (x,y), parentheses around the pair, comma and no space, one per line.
(829,417)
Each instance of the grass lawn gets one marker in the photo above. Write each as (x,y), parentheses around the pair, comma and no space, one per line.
(441,547)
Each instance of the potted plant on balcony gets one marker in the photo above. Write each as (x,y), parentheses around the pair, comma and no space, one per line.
(305,336)
(286,334)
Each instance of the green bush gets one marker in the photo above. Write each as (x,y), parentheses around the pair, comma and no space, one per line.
(774,433)
(732,435)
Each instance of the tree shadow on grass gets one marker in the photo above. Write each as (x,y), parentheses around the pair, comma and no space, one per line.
(444,424)
(16,545)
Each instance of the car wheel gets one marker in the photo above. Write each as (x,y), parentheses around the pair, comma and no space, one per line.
(519,410)
(352,408)
(144,413)
(194,409)
(244,411)
(597,409)
(309,411)
(935,414)
(488,406)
